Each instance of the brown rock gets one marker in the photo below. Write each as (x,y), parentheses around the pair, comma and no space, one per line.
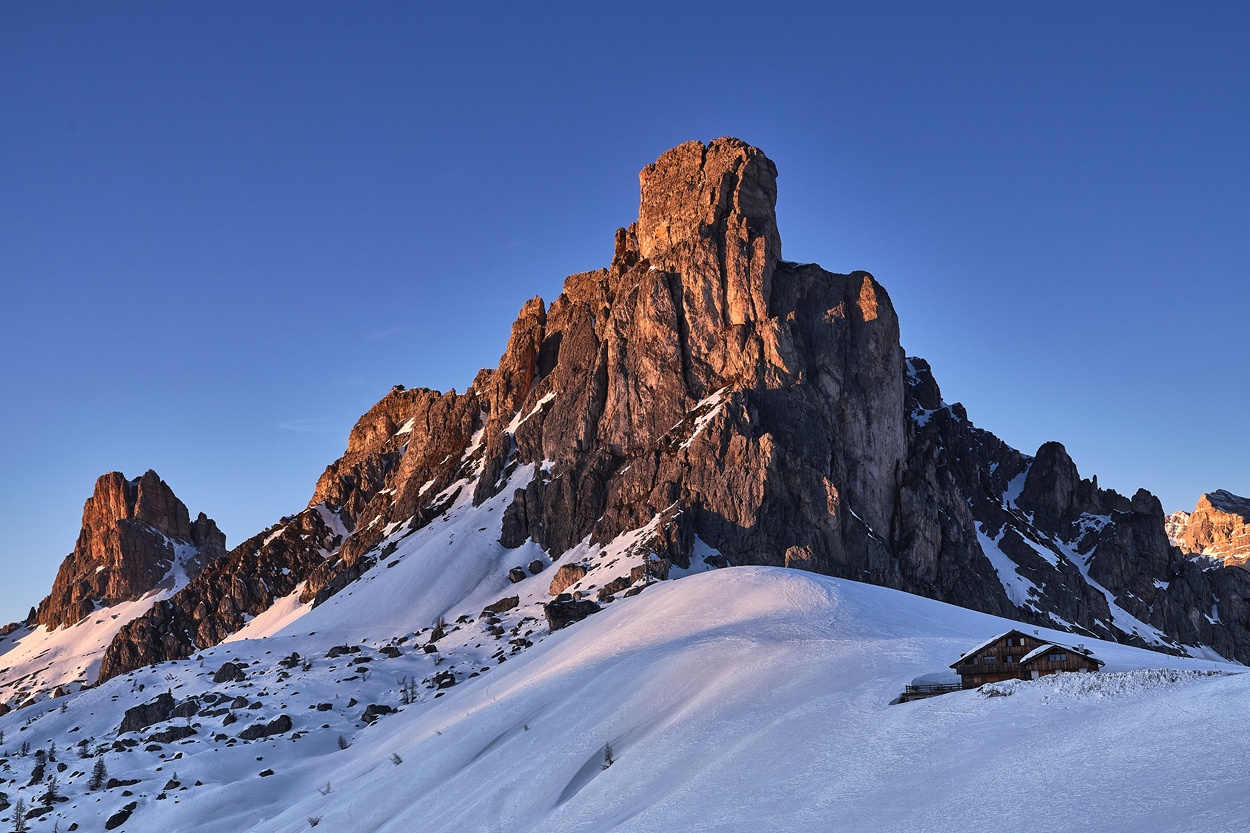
(1219,527)
(126,547)
(501,606)
(566,576)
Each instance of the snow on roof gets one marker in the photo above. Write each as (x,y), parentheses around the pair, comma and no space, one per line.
(987,643)
(1050,646)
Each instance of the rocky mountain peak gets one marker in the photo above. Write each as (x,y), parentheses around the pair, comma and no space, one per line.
(1218,527)
(701,395)
(696,191)
(133,533)
(146,499)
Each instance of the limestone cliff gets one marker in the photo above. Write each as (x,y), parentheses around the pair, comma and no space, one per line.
(134,533)
(1218,527)
(705,388)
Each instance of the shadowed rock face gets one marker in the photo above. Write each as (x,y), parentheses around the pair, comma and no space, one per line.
(130,532)
(705,386)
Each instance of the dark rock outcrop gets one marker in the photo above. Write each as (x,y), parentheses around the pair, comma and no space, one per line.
(279,725)
(562,613)
(374,711)
(131,533)
(173,733)
(121,816)
(219,601)
(142,716)
(230,672)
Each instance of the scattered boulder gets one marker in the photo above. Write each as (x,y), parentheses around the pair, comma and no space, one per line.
(373,712)
(231,672)
(265,773)
(187,708)
(502,605)
(120,817)
(562,614)
(170,735)
(140,717)
(277,726)
(291,661)
(391,651)
(516,574)
(444,679)
(613,587)
(565,577)
(113,783)
(340,650)
(536,567)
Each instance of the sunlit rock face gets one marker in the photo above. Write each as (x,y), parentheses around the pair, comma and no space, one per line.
(1218,527)
(704,389)
(133,534)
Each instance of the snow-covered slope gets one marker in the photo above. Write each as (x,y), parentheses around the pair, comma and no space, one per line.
(36,661)
(740,699)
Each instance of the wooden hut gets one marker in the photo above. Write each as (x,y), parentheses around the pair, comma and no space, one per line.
(1016,655)
(1051,658)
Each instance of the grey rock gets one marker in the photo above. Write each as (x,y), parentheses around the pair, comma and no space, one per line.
(142,716)
(230,672)
(277,726)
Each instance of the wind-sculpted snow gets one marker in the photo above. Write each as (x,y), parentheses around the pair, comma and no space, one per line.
(740,699)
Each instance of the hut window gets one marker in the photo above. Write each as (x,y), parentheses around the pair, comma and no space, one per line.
(991,660)
(1058,656)
(1011,640)
(1010,658)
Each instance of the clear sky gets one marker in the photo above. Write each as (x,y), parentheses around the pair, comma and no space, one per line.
(226,229)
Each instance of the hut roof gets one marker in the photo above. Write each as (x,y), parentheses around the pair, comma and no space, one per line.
(987,643)
(1052,646)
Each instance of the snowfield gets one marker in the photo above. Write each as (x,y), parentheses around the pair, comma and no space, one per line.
(744,699)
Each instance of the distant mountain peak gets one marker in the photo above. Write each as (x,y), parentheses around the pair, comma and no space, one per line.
(134,532)
(1219,527)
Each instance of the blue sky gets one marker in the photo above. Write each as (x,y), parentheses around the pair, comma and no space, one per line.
(227,229)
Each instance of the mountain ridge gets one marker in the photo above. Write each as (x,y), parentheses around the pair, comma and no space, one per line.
(707,391)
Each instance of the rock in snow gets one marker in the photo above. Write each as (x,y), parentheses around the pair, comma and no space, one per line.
(700,402)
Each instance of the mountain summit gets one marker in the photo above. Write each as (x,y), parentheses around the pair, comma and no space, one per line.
(711,403)
(466,574)
(134,533)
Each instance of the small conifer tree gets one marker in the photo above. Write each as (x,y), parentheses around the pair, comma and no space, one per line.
(99,773)
(20,824)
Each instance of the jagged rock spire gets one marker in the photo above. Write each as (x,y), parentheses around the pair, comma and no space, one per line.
(126,546)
